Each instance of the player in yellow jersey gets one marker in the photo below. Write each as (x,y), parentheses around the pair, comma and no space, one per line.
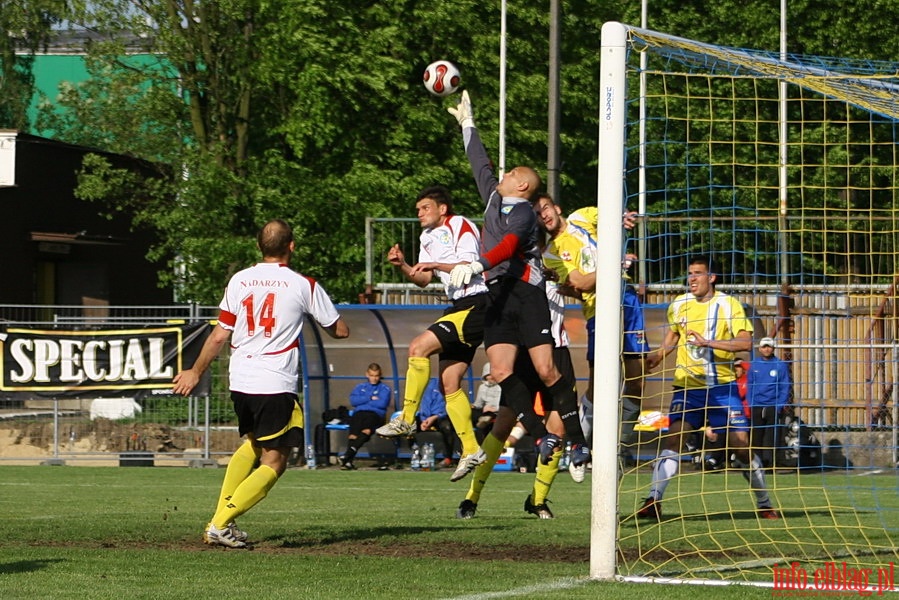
(571,254)
(706,328)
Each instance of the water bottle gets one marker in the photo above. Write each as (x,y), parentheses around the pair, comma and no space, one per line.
(310,456)
(416,458)
(427,457)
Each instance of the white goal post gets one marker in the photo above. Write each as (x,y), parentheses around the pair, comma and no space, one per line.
(607,369)
(785,169)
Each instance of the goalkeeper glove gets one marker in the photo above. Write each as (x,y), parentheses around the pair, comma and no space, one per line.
(462,274)
(462,112)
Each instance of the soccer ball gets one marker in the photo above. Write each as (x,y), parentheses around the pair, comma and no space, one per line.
(442,78)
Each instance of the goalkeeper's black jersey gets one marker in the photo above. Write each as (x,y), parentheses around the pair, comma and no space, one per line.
(506,221)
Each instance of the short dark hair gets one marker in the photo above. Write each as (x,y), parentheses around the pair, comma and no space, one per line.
(541,195)
(274,238)
(439,194)
(701,259)
(710,265)
(374,367)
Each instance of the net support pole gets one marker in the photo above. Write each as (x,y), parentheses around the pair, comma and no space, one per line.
(607,363)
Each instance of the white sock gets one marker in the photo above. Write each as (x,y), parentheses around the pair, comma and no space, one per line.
(755,475)
(665,468)
(585,415)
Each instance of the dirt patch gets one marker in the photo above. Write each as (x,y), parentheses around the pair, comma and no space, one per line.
(35,439)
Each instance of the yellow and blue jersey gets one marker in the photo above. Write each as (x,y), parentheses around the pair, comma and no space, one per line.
(720,318)
(573,249)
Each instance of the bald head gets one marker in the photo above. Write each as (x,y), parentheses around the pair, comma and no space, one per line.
(531,180)
(275,239)
(521,182)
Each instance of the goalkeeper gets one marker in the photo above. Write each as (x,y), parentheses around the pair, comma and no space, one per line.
(519,312)
(509,425)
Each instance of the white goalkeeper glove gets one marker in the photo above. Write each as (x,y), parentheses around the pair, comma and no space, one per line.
(462,112)
(462,274)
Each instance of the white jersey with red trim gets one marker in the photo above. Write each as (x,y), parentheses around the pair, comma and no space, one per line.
(264,307)
(557,313)
(456,240)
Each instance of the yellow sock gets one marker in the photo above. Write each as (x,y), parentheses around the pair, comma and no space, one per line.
(492,447)
(239,468)
(417,376)
(459,411)
(546,474)
(253,489)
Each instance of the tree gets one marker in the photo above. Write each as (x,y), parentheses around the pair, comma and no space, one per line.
(313,111)
(27,27)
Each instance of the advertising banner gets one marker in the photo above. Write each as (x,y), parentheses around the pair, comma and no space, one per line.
(133,362)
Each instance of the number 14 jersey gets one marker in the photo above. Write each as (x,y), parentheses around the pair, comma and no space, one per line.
(264,307)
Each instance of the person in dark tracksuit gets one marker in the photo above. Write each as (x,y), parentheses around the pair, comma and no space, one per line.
(370,401)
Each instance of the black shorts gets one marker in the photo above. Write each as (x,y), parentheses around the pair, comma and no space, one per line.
(525,370)
(364,419)
(461,328)
(274,420)
(518,314)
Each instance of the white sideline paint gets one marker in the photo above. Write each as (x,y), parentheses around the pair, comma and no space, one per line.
(874,472)
(705,582)
(871,589)
(560,584)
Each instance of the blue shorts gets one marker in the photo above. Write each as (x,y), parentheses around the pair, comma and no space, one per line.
(717,406)
(634,337)
(634,325)
(591,339)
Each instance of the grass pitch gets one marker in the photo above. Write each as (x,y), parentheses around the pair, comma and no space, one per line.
(112,532)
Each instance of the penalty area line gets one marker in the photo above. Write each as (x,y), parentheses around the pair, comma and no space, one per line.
(550,586)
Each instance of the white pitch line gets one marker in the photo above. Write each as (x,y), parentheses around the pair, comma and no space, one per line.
(560,584)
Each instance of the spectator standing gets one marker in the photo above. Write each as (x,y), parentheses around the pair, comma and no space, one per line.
(741,372)
(768,384)
(262,315)
(370,401)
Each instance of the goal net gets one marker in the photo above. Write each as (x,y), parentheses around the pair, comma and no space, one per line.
(784,170)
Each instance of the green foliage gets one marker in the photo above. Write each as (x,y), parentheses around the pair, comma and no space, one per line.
(313,110)
(173,410)
(26,28)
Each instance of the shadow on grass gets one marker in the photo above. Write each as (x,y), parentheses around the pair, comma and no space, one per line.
(330,536)
(419,541)
(738,515)
(27,566)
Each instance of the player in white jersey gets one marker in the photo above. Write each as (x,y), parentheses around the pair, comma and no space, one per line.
(447,239)
(262,314)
